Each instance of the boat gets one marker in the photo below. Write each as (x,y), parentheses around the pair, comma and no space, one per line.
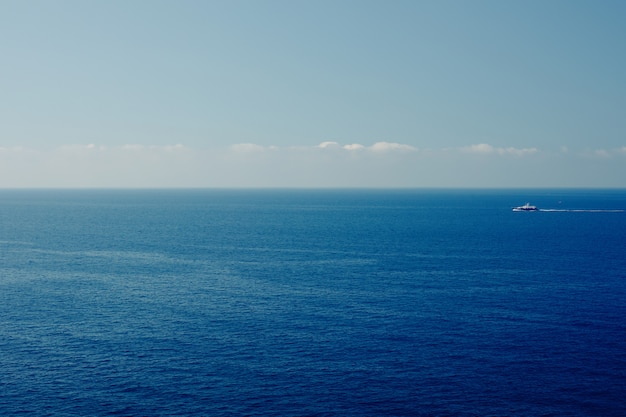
(526,207)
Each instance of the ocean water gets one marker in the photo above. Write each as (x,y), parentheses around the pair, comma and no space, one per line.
(312,303)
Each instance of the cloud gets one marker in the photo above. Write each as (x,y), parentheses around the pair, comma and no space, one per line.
(485,148)
(602,153)
(328,145)
(599,153)
(480,148)
(615,152)
(389,146)
(354,147)
(329,164)
(517,151)
(380,147)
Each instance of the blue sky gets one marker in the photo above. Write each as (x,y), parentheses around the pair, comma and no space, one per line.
(312,93)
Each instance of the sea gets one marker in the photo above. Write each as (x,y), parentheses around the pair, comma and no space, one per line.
(292,302)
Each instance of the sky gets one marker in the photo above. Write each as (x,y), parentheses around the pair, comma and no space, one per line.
(294,93)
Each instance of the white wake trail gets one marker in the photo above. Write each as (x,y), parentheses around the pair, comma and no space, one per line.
(583,210)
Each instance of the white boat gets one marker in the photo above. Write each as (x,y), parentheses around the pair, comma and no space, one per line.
(526,207)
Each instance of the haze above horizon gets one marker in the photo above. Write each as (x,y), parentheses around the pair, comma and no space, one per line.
(312,94)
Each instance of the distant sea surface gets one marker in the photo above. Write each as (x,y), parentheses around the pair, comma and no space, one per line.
(312,303)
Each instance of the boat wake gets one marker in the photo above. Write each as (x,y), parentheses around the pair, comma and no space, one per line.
(583,210)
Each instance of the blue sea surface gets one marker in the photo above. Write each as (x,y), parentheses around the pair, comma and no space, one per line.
(312,303)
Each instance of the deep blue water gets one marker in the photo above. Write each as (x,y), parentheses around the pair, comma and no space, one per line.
(318,303)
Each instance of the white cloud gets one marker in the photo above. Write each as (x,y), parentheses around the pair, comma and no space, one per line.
(376,147)
(517,151)
(328,145)
(480,148)
(380,147)
(389,146)
(485,148)
(602,153)
(329,164)
(354,147)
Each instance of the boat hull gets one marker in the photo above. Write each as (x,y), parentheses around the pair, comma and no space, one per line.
(526,207)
